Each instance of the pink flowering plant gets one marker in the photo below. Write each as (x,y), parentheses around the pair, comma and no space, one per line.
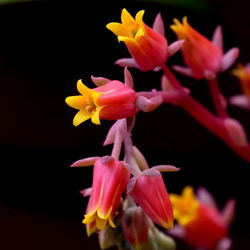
(129,205)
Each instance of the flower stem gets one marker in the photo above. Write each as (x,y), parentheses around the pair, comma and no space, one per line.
(170,76)
(217,98)
(129,158)
(116,151)
(213,123)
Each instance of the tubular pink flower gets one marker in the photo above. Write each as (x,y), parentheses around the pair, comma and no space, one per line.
(111,101)
(110,178)
(149,191)
(201,224)
(200,54)
(147,47)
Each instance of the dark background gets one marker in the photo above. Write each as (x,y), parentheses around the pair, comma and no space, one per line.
(45,47)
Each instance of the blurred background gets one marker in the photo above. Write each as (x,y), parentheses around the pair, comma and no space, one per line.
(45,47)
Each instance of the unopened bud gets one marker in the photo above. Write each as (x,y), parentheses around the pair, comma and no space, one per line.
(236,132)
(135,226)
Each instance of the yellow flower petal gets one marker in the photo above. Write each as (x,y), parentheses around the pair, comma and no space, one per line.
(185,206)
(81,117)
(127,19)
(88,218)
(117,28)
(100,223)
(139,33)
(76,102)
(139,16)
(179,28)
(104,216)
(111,223)
(95,117)
(126,39)
(83,89)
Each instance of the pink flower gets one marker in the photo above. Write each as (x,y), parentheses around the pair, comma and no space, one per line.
(148,48)
(201,224)
(110,179)
(111,101)
(204,58)
(149,192)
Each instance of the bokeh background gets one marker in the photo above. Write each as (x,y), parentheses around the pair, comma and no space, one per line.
(45,47)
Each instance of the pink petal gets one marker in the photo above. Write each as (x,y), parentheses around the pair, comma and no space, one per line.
(240,101)
(217,39)
(183,70)
(156,69)
(90,161)
(99,81)
(206,198)
(178,232)
(166,168)
(158,25)
(140,159)
(148,105)
(228,212)
(86,192)
(128,78)
(175,47)
(224,244)
(127,62)
(110,138)
(229,58)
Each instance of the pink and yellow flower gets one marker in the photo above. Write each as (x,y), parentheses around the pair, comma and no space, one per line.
(112,101)
(200,222)
(149,192)
(110,179)
(200,54)
(147,47)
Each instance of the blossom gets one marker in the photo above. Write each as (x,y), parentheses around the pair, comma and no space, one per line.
(200,223)
(243,74)
(110,178)
(135,225)
(111,101)
(149,191)
(203,57)
(148,47)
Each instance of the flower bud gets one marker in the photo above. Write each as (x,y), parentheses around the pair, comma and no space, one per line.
(135,226)
(149,191)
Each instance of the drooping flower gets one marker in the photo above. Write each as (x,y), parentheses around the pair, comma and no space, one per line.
(148,47)
(201,224)
(135,225)
(149,192)
(110,178)
(112,101)
(204,58)
(243,74)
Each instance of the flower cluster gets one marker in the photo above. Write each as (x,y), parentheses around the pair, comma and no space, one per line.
(129,205)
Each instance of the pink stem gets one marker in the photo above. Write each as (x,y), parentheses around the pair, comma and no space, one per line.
(201,114)
(117,145)
(175,83)
(216,96)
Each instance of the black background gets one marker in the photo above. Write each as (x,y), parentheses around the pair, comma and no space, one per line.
(45,47)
